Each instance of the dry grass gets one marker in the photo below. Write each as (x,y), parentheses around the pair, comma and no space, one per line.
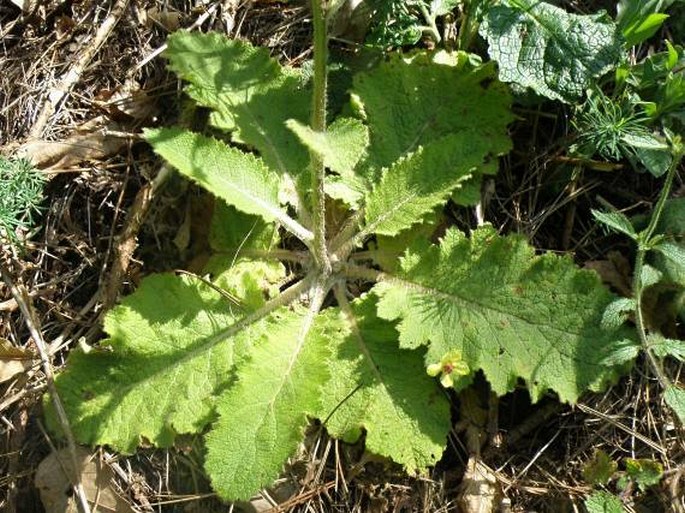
(97,205)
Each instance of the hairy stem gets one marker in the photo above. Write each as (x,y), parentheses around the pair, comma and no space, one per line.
(318,123)
(644,243)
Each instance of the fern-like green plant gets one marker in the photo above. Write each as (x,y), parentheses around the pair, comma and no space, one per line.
(21,192)
(343,207)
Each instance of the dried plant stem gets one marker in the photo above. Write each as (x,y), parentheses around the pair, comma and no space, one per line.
(22,298)
(58,93)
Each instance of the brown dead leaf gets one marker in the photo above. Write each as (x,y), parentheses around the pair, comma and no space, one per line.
(169,20)
(479,491)
(128,102)
(615,271)
(14,360)
(96,477)
(96,139)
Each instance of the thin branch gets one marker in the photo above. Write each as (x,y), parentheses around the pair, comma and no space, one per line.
(59,93)
(22,298)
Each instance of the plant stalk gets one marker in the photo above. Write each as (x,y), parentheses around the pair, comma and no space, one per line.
(644,246)
(318,123)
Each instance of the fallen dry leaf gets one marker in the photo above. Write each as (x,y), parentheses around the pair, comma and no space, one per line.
(96,477)
(14,360)
(614,271)
(479,491)
(91,141)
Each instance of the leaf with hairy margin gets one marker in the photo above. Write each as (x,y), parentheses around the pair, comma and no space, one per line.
(238,178)
(508,312)
(157,372)
(341,146)
(263,416)
(416,184)
(251,94)
(541,46)
(406,420)
(412,101)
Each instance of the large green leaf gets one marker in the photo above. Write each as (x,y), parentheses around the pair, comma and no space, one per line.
(263,416)
(543,47)
(405,419)
(251,94)
(238,178)
(410,102)
(416,184)
(508,312)
(156,374)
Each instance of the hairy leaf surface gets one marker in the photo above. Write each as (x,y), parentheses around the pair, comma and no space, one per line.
(156,374)
(252,95)
(410,102)
(543,47)
(262,418)
(405,419)
(342,145)
(239,178)
(416,184)
(508,312)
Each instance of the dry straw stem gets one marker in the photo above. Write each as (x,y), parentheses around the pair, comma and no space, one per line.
(22,298)
(58,93)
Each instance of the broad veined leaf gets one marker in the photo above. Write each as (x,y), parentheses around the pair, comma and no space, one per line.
(262,417)
(543,47)
(238,178)
(251,94)
(405,419)
(416,184)
(410,102)
(508,312)
(342,145)
(156,374)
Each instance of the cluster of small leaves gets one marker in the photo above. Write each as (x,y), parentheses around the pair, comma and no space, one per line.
(425,128)
(399,23)
(602,469)
(21,193)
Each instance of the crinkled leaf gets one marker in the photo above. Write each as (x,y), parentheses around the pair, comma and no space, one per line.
(411,102)
(239,178)
(405,419)
(645,472)
(543,47)
(416,184)
(390,249)
(662,347)
(341,147)
(675,398)
(251,94)
(262,417)
(617,221)
(617,313)
(510,313)
(156,374)
(603,502)
(621,352)
(599,469)
(650,276)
